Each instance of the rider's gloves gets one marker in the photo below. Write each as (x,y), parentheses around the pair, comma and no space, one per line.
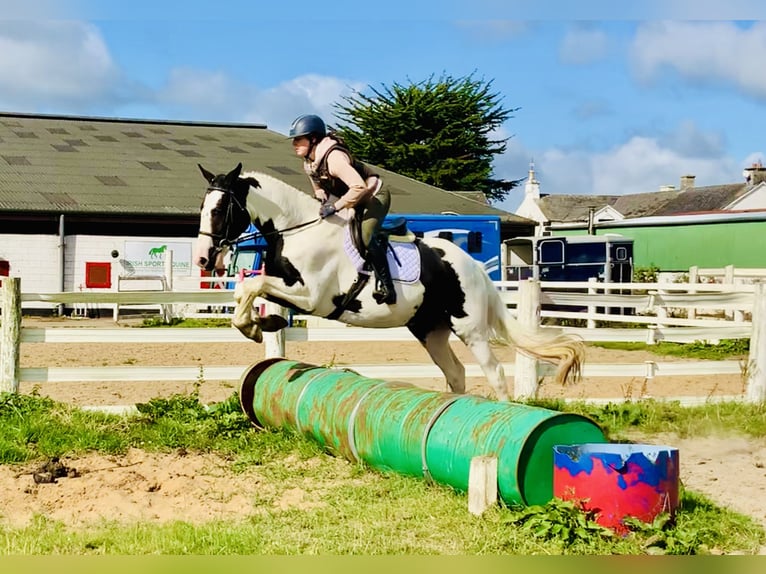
(327,210)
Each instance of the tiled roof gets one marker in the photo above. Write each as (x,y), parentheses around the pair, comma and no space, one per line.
(572,208)
(68,164)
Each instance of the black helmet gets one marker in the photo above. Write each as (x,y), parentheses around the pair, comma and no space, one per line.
(308,125)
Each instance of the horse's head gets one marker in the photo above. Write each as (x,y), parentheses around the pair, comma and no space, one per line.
(223,216)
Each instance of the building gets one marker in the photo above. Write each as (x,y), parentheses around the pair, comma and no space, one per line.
(86,200)
(673,228)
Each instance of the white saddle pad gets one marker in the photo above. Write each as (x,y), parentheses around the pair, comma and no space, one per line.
(403,258)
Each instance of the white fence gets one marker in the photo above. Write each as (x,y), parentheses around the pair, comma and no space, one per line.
(594,302)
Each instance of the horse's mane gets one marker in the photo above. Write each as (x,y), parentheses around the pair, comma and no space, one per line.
(290,199)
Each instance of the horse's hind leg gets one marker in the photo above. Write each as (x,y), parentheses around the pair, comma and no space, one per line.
(436,342)
(491,367)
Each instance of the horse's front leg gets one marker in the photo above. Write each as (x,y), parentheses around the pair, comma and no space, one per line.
(246,317)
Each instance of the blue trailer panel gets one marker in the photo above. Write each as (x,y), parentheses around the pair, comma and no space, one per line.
(477,235)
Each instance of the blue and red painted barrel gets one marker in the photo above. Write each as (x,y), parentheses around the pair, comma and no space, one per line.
(618,480)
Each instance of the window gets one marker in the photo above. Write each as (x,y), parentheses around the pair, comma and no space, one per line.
(586,253)
(98,275)
(551,251)
(474,241)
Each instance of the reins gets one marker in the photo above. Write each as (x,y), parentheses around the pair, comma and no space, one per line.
(224,239)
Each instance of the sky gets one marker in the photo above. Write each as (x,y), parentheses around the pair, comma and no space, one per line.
(610,97)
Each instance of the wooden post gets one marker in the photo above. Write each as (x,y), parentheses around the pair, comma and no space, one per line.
(691,313)
(525,379)
(482,484)
(167,309)
(662,311)
(728,279)
(10,334)
(274,343)
(756,361)
(592,281)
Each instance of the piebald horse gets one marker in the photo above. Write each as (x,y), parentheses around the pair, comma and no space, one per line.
(308,269)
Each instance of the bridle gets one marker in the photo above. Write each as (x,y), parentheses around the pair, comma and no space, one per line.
(222,240)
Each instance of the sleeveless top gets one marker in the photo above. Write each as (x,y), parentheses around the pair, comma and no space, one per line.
(333,185)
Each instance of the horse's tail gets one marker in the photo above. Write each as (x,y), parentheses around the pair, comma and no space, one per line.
(565,351)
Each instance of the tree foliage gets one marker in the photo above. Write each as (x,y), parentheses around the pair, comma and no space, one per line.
(439,131)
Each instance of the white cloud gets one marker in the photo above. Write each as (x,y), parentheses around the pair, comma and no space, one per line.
(54,62)
(214,94)
(638,165)
(703,52)
(583,45)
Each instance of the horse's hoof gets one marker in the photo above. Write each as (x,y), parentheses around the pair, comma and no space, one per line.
(250,330)
(271,323)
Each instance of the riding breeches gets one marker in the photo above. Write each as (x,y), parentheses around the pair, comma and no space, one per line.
(375,211)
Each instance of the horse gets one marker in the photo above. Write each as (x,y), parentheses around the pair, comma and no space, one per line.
(309,268)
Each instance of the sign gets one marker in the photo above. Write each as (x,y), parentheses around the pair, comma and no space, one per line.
(148,257)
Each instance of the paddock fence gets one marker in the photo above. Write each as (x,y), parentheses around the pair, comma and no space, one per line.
(596,312)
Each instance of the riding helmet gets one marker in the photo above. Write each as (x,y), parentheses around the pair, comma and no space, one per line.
(308,125)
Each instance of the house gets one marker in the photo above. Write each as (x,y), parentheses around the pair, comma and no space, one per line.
(85,200)
(673,228)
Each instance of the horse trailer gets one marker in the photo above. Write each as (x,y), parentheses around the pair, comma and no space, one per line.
(608,258)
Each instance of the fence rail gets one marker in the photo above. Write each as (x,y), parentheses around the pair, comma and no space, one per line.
(648,300)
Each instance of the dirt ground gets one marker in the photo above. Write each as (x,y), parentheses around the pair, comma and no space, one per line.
(196,488)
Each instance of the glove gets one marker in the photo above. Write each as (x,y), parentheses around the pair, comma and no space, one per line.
(327,210)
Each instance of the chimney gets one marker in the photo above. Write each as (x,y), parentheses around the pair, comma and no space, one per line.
(532,187)
(687,182)
(755,174)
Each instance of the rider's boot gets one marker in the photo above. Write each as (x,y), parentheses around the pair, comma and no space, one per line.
(384,292)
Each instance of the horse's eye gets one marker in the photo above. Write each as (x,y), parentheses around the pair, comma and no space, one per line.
(215,212)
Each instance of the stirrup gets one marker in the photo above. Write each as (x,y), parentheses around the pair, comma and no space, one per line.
(384,294)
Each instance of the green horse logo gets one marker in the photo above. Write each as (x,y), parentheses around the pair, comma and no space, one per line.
(157,251)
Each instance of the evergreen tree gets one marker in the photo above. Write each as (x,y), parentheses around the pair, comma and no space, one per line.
(436,131)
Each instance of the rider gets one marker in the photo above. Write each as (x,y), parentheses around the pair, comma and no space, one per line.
(340,181)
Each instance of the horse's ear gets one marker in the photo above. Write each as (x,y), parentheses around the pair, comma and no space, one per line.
(209,177)
(232,176)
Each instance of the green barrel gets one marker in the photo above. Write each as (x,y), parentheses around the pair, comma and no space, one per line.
(413,431)
(522,438)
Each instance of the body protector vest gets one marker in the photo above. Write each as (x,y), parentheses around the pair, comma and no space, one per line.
(333,185)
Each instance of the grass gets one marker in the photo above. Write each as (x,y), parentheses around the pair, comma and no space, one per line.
(725,349)
(360,510)
(191,323)
(648,416)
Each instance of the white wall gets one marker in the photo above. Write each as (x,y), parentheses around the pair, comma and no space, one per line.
(754,199)
(35,260)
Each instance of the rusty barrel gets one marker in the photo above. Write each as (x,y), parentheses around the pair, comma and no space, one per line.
(413,431)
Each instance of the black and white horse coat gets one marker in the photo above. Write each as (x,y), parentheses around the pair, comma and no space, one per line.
(308,270)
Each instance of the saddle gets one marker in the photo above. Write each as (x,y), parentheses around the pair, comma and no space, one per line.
(394,231)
